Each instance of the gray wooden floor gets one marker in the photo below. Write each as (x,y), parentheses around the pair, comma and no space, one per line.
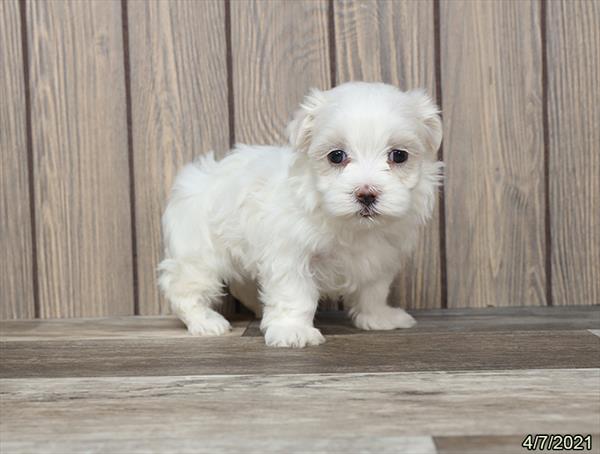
(462,381)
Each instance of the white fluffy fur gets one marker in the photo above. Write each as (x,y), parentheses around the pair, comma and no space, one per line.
(285,220)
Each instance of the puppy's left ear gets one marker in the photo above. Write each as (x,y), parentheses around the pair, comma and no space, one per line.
(299,130)
(428,114)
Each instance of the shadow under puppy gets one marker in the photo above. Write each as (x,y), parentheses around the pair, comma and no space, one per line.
(331,214)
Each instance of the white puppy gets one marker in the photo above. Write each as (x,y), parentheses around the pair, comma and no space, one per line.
(333,213)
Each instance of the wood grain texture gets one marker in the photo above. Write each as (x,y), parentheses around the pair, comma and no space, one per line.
(494,193)
(179,111)
(126,327)
(330,322)
(227,443)
(370,413)
(279,51)
(393,42)
(573,55)
(81,175)
(378,352)
(454,320)
(16,273)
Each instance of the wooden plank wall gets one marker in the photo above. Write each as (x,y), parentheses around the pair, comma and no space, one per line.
(80,164)
(495,212)
(102,102)
(573,46)
(16,244)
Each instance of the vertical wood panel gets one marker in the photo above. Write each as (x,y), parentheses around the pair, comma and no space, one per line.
(279,51)
(493,148)
(393,42)
(80,158)
(573,55)
(179,109)
(16,280)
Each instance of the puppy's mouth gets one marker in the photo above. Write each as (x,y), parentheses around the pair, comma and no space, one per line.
(368,212)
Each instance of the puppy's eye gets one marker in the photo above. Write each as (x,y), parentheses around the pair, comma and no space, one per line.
(337,156)
(398,156)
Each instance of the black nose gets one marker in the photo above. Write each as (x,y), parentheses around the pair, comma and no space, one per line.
(366,198)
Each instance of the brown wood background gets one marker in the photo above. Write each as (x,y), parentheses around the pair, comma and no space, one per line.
(102,101)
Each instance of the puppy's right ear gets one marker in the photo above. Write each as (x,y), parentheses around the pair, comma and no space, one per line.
(299,130)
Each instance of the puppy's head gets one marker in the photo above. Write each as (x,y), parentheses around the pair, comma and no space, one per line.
(372,149)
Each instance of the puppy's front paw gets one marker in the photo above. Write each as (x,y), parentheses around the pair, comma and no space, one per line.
(208,323)
(292,335)
(385,319)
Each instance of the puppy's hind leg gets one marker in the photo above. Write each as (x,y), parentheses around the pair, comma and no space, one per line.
(193,290)
(369,309)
